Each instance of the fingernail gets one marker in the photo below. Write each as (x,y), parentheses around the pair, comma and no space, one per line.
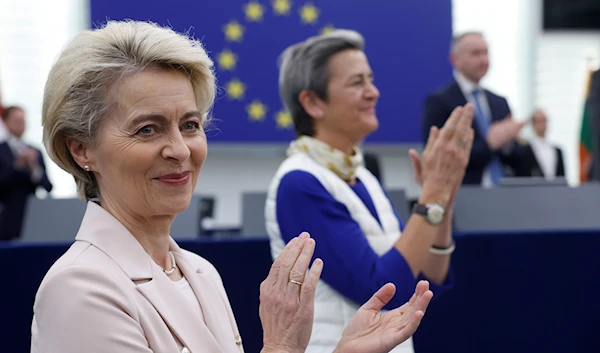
(304,235)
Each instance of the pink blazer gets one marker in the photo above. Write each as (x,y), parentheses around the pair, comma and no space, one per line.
(105,294)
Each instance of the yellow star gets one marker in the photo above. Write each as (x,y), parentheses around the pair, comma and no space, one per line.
(235,89)
(256,110)
(254,11)
(282,7)
(227,60)
(327,29)
(284,119)
(309,13)
(233,31)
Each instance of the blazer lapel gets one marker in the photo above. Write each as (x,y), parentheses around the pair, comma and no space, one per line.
(536,170)
(558,162)
(496,110)
(456,95)
(171,305)
(219,320)
(105,232)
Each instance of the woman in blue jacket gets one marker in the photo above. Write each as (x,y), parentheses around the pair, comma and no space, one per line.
(326,84)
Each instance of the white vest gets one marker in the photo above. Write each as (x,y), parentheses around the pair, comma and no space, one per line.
(333,311)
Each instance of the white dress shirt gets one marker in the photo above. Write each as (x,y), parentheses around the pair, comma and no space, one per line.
(467,87)
(16,145)
(545,154)
(187,290)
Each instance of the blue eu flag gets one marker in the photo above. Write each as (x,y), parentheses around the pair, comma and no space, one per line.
(407,45)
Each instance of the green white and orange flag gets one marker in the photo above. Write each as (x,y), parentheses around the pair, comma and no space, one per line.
(586,136)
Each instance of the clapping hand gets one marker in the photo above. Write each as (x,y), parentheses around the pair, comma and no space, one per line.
(371,331)
(287,297)
(441,167)
(502,132)
(287,308)
(27,158)
(21,161)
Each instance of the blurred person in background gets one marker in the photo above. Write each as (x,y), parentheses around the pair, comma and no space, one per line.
(593,106)
(540,158)
(495,151)
(22,171)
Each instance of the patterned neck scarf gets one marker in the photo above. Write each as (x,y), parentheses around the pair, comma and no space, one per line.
(335,160)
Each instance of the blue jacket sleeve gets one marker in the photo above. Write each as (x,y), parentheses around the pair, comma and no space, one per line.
(350,265)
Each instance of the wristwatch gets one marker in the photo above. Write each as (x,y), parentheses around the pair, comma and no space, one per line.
(433,212)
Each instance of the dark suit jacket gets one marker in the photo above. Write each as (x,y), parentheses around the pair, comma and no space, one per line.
(437,109)
(593,107)
(372,165)
(15,188)
(529,166)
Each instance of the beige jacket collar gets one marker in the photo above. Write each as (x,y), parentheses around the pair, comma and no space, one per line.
(105,232)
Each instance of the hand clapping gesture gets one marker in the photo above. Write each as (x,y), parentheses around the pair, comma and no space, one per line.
(374,332)
(441,167)
(287,308)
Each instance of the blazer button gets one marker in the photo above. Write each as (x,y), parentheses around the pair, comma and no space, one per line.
(238,340)
(185,350)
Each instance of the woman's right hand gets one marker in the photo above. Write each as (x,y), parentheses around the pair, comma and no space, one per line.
(287,298)
(446,156)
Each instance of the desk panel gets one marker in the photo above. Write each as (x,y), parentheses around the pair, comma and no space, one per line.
(515,292)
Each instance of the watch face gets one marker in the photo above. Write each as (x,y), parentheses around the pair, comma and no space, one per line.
(435,214)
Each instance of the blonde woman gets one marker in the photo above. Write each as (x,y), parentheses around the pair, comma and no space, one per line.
(124,112)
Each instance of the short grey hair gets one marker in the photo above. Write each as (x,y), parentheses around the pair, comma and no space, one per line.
(455,44)
(78,95)
(304,66)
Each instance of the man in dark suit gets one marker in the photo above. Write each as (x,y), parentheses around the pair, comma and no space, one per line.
(495,150)
(539,158)
(22,171)
(593,106)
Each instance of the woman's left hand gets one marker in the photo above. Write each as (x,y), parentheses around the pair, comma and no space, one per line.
(370,331)
(287,298)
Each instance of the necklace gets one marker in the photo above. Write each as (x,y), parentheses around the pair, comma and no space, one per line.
(174,265)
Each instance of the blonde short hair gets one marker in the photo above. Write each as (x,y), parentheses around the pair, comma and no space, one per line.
(77,94)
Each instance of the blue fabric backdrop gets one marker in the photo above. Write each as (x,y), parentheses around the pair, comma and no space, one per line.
(406,41)
(518,292)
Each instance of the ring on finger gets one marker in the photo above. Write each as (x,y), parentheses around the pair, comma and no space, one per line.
(295,282)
